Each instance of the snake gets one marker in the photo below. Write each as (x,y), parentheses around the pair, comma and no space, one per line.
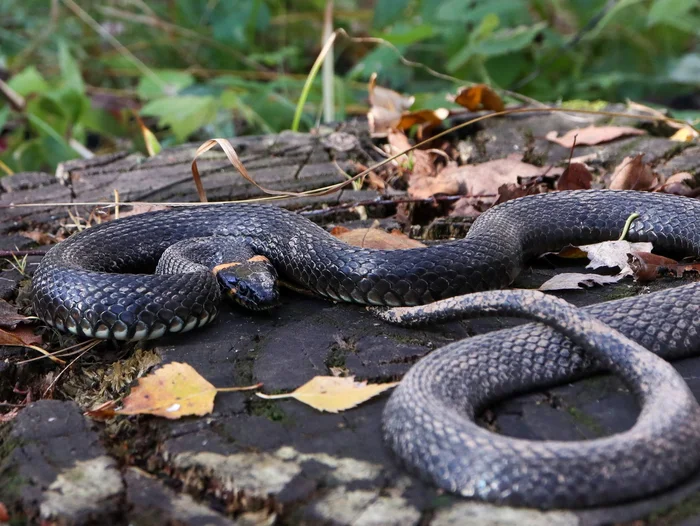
(162,272)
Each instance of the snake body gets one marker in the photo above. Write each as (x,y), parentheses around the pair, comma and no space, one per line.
(98,283)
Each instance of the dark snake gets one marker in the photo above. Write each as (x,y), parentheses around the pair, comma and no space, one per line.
(96,284)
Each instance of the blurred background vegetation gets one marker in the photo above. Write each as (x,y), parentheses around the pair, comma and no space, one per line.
(195,69)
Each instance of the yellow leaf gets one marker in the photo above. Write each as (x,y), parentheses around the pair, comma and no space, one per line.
(685,134)
(173,391)
(333,394)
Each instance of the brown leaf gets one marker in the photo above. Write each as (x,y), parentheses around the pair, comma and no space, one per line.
(592,135)
(386,107)
(4,516)
(633,174)
(648,267)
(20,337)
(424,118)
(173,391)
(482,179)
(677,184)
(479,97)
(9,316)
(103,411)
(416,162)
(332,393)
(575,177)
(376,238)
(465,208)
(42,238)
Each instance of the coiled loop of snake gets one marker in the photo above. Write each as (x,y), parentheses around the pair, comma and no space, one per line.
(96,283)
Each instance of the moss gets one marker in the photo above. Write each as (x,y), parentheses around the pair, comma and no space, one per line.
(593,105)
(586,421)
(406,339)
(269,409)
(676,149)
(335,357)
(12,482)
(677,514)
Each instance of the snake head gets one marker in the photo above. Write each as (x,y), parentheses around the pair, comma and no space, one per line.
(252,283)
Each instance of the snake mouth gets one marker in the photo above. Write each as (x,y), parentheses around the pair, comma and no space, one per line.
(257,304)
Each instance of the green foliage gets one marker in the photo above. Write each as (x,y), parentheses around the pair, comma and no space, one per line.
(196,69)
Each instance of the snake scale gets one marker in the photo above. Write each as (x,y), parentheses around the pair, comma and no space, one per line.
(100,283)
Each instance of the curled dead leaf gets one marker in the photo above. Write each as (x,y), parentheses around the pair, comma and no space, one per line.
(648,267)
(386,107)
(592,135)
(333,393)
(478,97)
(633,174)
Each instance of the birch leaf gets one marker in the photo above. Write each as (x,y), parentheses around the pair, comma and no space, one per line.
(333,394)
(173,391)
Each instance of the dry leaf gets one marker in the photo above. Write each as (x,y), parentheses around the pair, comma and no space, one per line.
(576,281)
(9,317)
(375,238)
(592,135)
(4,516)
(332,393)
(425,119)
(20,337)
(633,174)
(612,254)
(685,134)
(677,184)
(416,162)
(575,177)
(478,97)
(482,179)
(386,107)
(103,411)
(173,391)
(648,267)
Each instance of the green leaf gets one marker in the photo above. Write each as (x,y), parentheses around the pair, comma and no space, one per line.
(405,34)
(59,148)
(29,81)
(167,82)
(609,17)
(4,114)
(508,40)
(487,26)
(184,114)
(388,11)
(70,70)
(669,11)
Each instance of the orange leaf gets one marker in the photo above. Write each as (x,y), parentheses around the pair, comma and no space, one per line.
(479,97)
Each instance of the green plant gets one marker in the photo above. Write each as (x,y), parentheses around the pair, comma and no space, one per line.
(195,69)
